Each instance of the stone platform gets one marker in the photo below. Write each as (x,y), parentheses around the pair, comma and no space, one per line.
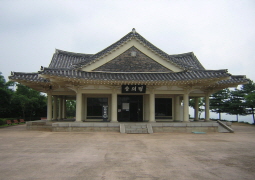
(183,127)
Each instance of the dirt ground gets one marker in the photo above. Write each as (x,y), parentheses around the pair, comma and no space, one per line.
(108,156)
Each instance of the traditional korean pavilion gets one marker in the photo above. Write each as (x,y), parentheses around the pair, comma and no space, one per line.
(130,80)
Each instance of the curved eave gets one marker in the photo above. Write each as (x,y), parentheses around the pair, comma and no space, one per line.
(30,79)
(33,77)
(233,81)
(180,78)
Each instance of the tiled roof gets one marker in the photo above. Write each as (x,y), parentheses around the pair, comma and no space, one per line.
(64,59)
(125,62)
(143,77)
(234,80)
(184,61)
(29,77)
(70,60)
(189,59)
(67,65)
(184,77)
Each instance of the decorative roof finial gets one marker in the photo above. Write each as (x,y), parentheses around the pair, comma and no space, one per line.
(133,31)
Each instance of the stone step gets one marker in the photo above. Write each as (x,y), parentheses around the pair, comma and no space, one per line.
(136,131)
(134,128)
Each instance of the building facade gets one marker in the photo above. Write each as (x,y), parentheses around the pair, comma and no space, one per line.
(130,80)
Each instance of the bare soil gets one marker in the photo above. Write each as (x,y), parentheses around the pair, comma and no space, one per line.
(108,155)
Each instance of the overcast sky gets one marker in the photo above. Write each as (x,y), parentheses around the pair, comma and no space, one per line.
(220,33)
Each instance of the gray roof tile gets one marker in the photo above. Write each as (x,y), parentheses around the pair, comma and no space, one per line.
(189,61)
(144,77)
(64,59)
(127,63)
(30,77)
(71,60)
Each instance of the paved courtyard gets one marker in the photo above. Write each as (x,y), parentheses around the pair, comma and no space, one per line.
(108,155)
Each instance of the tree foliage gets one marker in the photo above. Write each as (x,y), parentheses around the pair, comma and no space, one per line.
(30,102)
(234,104)
(5,97)
(218,101)
(23,103)
(70,108)
(249,98)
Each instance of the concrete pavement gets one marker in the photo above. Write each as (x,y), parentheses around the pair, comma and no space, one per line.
(110,155)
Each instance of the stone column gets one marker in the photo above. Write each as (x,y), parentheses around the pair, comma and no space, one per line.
(49,107)
(78,106)
(55,106)
(152,106)
(84,105)
(114,106)
(60,108)
(177,108)
(146,108)
(196,110)
(207,107)
(64,108)
(186,107)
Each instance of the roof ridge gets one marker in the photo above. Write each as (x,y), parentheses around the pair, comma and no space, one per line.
(208,70)
(30,73)
(57,51)
(54,69)
(239,76)
(108,72)
(183,54)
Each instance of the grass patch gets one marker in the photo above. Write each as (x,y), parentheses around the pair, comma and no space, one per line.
(4,125)
(14,124)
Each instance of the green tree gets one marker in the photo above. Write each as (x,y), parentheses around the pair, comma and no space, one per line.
(249,98)
(5,97)
(24,102)
(2,81)
(70,108)
(235,103)
(218,101)
(250,104)
(248,88)
(29,102)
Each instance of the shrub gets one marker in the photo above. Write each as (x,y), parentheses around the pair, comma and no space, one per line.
(2,121)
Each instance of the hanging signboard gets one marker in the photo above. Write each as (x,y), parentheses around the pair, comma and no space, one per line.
(133,88)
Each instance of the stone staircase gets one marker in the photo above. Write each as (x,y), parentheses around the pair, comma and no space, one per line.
(136,128)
